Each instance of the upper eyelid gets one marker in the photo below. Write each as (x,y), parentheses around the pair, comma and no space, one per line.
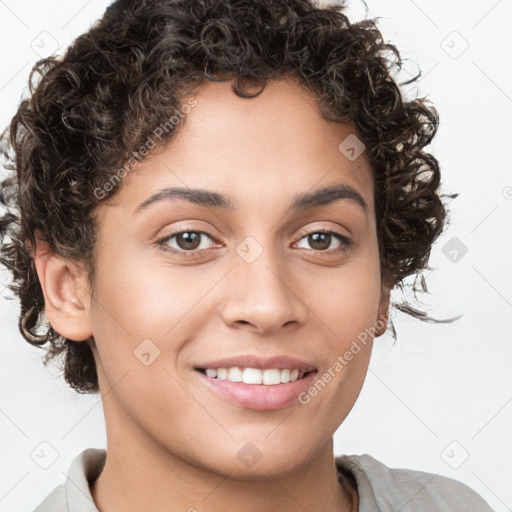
(333,231)
(187,230)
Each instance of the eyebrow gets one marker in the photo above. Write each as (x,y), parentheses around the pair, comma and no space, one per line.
(211,199)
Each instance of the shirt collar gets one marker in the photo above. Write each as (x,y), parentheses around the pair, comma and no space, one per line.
(84,469)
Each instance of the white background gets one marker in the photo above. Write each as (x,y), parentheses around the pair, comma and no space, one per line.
(443,392)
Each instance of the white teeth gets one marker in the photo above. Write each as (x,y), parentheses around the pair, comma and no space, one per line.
(272,377)
(252,376)
(269,377)
(235,374)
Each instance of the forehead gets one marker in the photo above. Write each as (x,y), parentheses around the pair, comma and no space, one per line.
(264,149)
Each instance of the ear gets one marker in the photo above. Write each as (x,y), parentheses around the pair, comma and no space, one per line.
(383,318)
(66,297)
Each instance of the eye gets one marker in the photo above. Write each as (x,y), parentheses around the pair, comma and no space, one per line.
(321,240)
(190,242)
(185,241)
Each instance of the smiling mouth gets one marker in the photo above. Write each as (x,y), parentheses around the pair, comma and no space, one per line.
(248,375)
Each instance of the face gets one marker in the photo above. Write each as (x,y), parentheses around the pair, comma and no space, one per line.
(263,276)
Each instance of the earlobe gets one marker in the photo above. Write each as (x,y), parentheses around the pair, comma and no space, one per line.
(67,301)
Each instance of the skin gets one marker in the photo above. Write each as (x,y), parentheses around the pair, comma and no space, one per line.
(171,441)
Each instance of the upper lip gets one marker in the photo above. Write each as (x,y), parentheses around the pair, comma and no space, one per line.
(263,363)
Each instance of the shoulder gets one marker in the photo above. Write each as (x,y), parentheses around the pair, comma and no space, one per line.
(410,490)
(55,501)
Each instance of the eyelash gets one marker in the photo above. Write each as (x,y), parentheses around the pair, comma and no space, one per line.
(345,242)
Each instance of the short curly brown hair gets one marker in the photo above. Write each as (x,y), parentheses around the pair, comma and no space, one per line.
(89,110)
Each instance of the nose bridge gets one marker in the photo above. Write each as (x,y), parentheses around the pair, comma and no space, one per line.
(260,292)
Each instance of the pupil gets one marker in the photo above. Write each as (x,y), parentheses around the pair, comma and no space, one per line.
(191,240)
(313,239)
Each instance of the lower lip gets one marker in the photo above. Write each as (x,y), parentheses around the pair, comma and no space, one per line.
(259,396)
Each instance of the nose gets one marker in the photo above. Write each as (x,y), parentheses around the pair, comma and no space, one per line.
(261,295)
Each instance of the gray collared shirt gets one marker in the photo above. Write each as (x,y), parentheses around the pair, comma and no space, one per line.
(380,488)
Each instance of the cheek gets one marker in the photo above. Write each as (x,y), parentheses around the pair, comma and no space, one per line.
(347,305)
(141,317)
(347,299)
(145,299)
(136,301)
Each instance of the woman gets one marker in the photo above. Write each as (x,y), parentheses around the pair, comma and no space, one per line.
(216,199)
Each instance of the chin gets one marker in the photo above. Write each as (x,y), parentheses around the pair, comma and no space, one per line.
(248,461)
